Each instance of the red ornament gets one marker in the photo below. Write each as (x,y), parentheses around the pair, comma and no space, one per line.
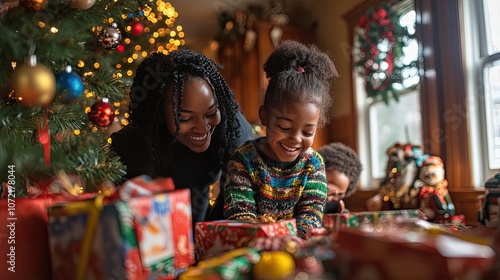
(137,28)
(120,48)
(102,114)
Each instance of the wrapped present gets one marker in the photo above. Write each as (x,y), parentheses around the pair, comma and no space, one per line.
(232,265)
(24,239)
(289,243)
(409,254)
(148,237)
(333,222)
(145,186)
(27,252)
(214,237)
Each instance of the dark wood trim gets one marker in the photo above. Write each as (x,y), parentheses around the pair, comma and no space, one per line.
(337,134)
(429,97)
(443,88)
(357,201)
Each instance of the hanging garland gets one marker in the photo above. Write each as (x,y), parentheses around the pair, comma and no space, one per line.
(378,49)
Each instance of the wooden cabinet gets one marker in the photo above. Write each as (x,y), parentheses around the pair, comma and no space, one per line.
(243,69)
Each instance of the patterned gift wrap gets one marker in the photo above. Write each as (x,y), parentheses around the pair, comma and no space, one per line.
(278,243)
(215,237)
(409,254)
(233,265)
(333,222)
(144,185)
(146,237)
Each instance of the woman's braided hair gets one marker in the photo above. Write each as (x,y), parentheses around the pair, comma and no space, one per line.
(159,73)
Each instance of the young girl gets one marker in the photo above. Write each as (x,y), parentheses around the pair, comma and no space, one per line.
(184,124)
(343,169)
(280,176)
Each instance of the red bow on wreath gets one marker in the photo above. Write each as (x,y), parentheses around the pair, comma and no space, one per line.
(380,47)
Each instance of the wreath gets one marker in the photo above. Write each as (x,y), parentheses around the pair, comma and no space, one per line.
(378,51)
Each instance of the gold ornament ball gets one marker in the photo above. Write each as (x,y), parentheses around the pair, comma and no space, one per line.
(34,86)
(274,265)
(82,4)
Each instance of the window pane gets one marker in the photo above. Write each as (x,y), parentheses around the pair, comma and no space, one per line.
(390,124)
(410,53)
(492,104)
(492,20)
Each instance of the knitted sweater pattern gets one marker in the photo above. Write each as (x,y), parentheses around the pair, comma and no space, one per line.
(254,188)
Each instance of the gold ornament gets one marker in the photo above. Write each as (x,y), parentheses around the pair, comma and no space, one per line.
(82,4)
(33,85)
(274,265)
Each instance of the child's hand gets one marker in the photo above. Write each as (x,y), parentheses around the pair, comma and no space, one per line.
(267,218)
(341,206)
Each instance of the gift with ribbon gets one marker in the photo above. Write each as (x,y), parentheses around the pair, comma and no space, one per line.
(215,237)
(235,264)
(145,235)
(23,236)
(373,219)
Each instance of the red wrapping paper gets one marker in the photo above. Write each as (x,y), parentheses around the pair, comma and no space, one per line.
(215,237)
(407,255)
(32,257)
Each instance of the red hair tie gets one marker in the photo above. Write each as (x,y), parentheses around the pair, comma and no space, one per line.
(300,69)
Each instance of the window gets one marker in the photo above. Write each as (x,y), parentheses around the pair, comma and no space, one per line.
(482,45)
(381,124)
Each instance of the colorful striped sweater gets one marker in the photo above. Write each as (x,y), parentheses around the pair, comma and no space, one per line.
(254,187)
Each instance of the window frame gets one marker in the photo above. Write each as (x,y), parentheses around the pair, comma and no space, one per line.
(443,95)
(368,179)
(476,59)
(366,105)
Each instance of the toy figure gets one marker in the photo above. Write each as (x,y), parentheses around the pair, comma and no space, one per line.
(396,190)
(435,200)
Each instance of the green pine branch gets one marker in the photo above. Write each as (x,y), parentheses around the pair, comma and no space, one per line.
(60,36)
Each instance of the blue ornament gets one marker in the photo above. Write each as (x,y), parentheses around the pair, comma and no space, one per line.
(69,86)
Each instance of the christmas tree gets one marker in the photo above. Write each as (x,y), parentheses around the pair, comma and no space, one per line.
(65,71)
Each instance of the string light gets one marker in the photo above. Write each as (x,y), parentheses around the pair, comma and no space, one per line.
(160,34)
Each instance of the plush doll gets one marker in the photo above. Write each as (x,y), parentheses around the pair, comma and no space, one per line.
(435,200)
(396,190)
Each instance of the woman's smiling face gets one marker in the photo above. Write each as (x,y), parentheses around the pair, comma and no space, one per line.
(199,115)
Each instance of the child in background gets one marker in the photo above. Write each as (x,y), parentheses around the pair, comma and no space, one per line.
(343,170)
(280,176)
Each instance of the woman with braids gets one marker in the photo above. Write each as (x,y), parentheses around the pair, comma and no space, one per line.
(343,169)
(184,124)
(280,176)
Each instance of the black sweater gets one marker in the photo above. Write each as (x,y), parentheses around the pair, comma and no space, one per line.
(196,171)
